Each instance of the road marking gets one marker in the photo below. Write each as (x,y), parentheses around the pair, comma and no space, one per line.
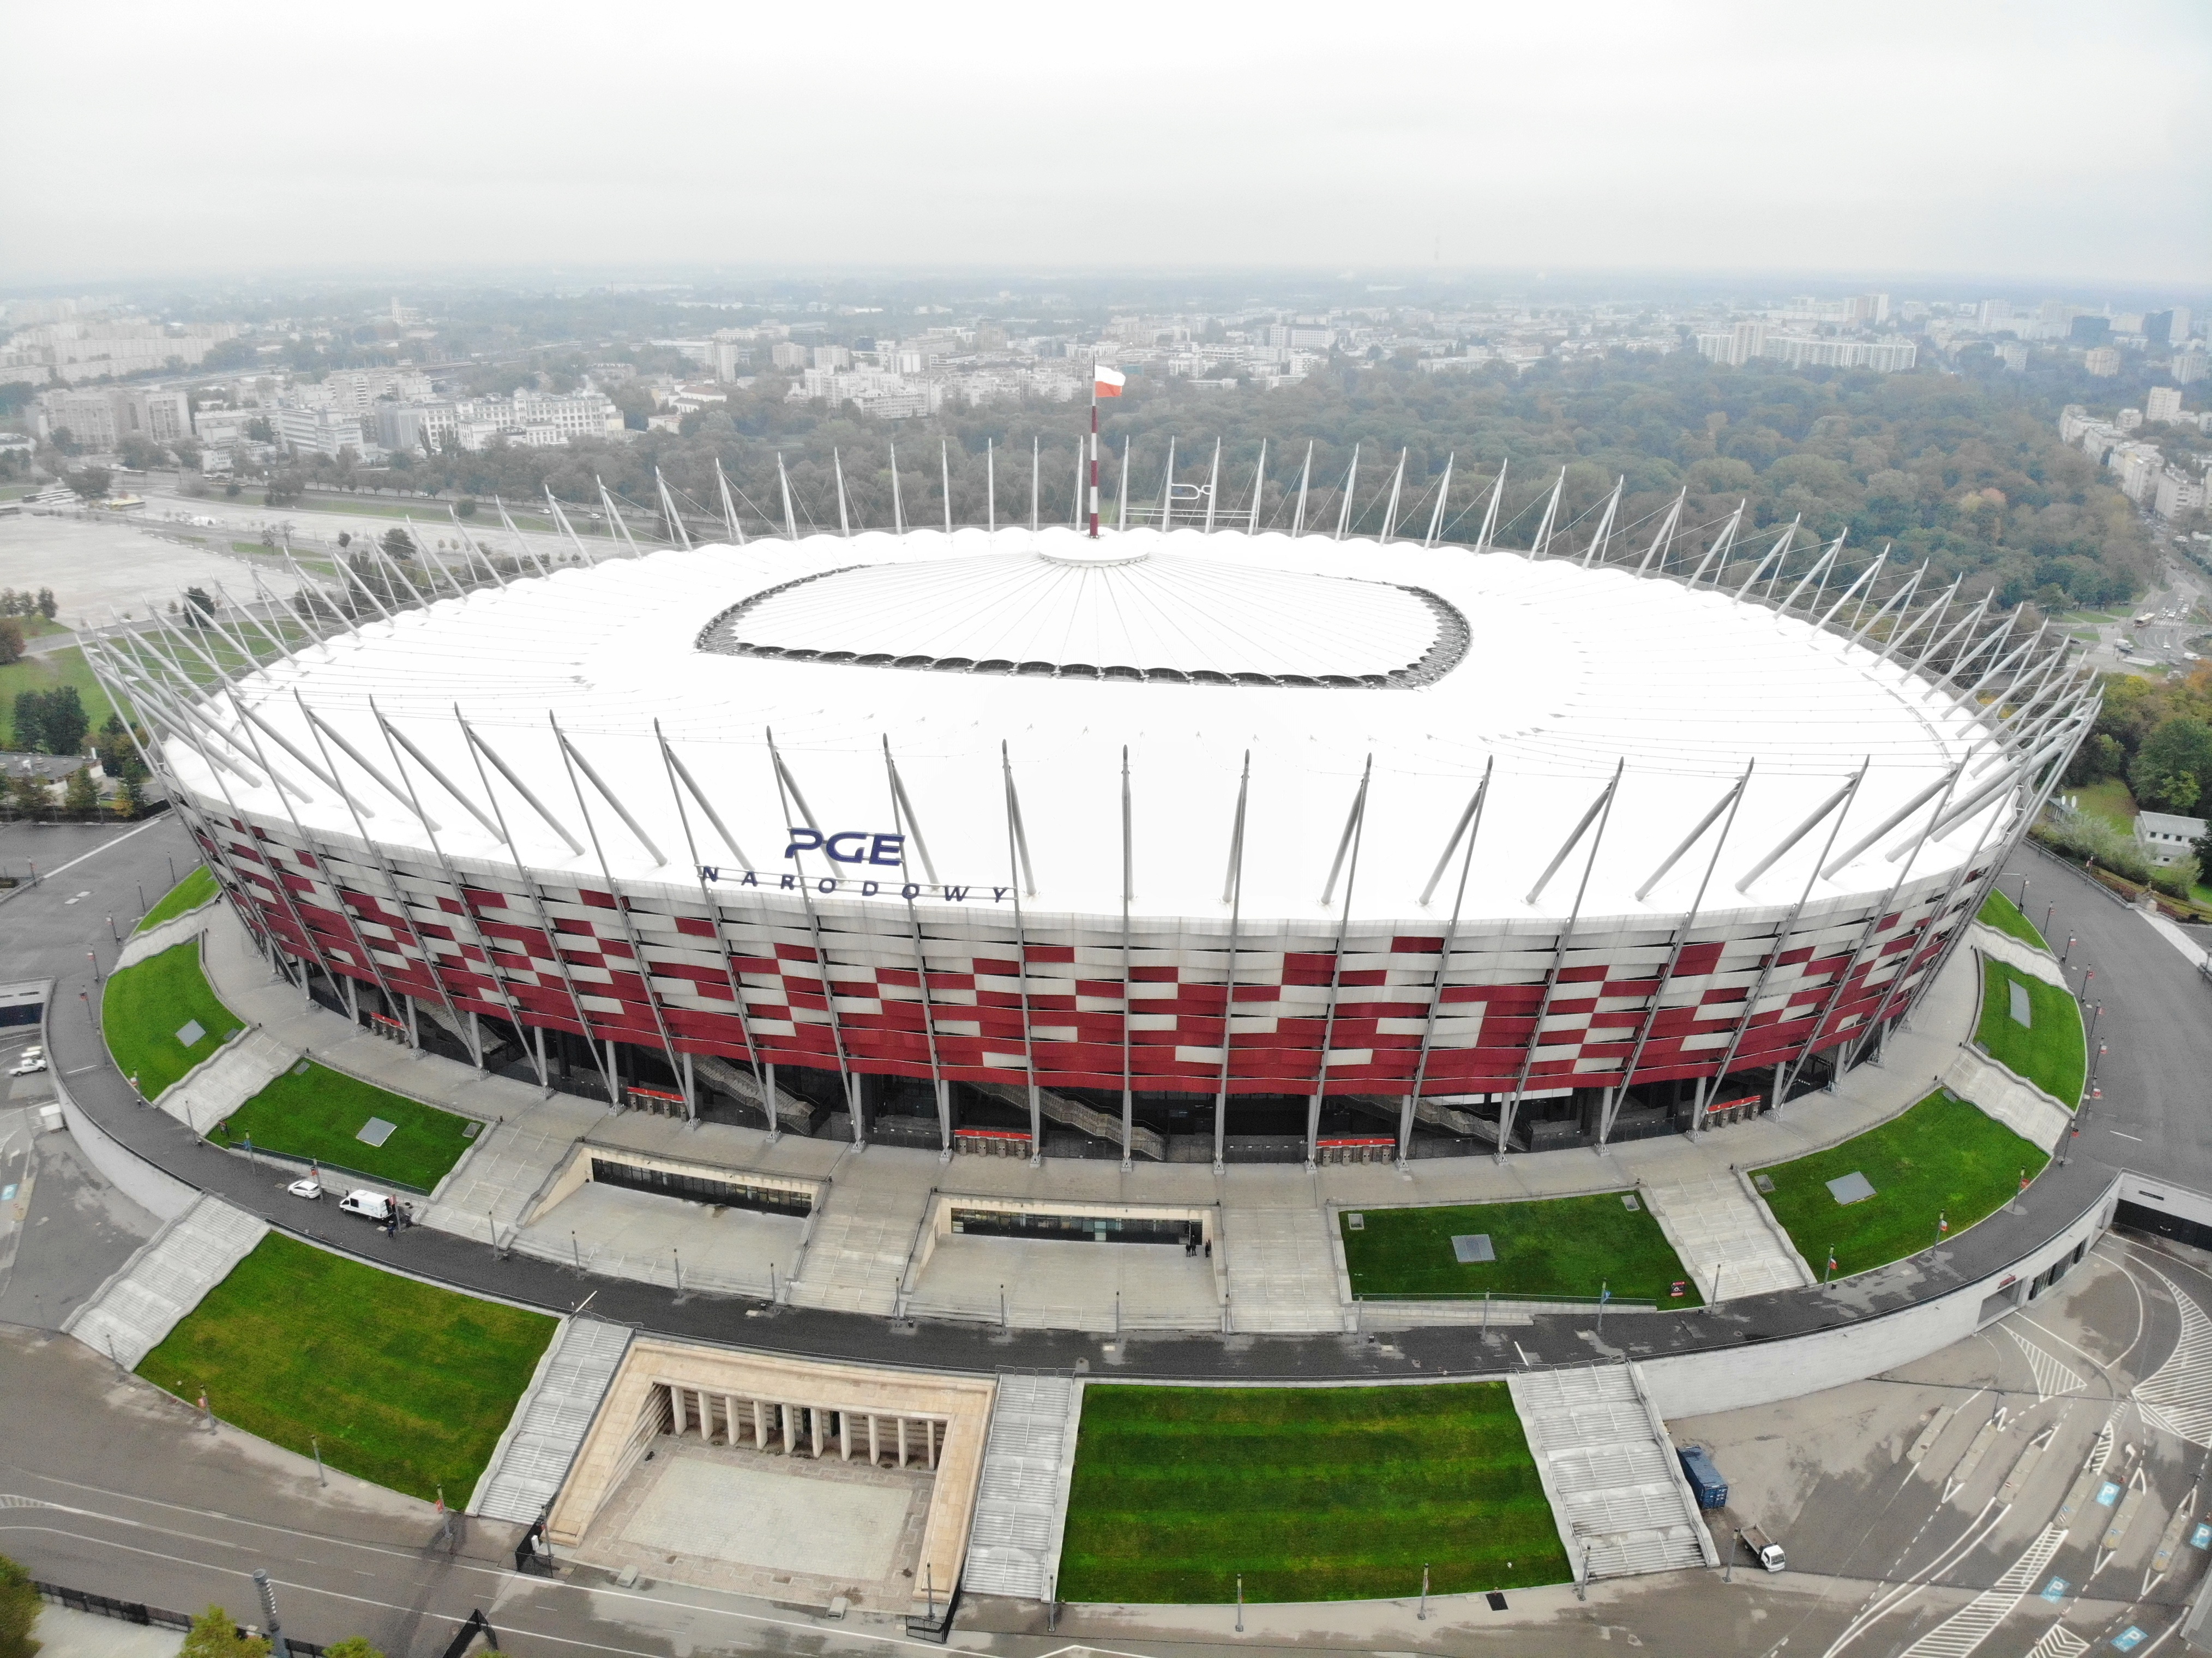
(2053,1376)
(97,850)
(1973,1623)
(2178,1395)
(2058,1641)
(2116,1133)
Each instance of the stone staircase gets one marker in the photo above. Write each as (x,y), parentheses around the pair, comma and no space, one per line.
(1021,1498)
(548,1429)
(1726,1238)
(235,1074)
(1074,1113)
(1609,1467)
(134,1311)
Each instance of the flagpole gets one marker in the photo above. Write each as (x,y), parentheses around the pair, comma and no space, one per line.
(1094,451)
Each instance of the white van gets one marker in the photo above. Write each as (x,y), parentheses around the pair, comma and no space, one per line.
(373,1204)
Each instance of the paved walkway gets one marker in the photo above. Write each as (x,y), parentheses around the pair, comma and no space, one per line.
(2038,964)
(1726,1238)
(1279,1257)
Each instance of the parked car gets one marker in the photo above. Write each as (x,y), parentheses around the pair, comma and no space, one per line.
(1704,1478)
(375,1205)
(306,1188)
(29,1064)
(1764,1548)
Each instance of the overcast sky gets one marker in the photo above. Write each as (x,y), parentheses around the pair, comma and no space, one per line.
(2029,140)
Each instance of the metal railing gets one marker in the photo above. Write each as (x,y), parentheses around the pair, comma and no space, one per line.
(137,1611)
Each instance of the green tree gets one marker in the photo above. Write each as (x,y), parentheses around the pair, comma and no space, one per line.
(19,1610)
(214,1635)
(80,793)
(2172,770)
(397,543)
(141,455)
(258,430)
(198,603)
(90,482)
(45,603)
(354,1646)
(11,641)
(51,722)
(28,794)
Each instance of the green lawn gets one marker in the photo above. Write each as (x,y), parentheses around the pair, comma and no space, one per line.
(1556,1247)
(1311,1493)
(44,673)
(1943,1158)
(189,894)
(2051,1052)
(404,1383)
(2109,799)
(312,1111)
(145,1007)
(2000,912)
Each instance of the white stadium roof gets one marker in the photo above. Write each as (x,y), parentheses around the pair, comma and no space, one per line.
(1444,660)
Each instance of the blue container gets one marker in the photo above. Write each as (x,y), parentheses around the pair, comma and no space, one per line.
(1704,1478)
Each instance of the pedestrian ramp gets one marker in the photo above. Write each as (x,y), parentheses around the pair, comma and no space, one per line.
(1021,1500)
(134,1311)
(167,936)
(1280,1265)
(2012,1100)
(2016,952)
(1608,1469)
(532,1458)
(1726,1238)
(208,1094)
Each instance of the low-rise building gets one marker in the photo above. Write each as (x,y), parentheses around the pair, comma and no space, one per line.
(2162,403)
(2178,493)
(2165,836)
(316,431)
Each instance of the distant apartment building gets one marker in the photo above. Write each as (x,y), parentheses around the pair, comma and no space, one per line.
(1735,348)
(886,396)
(2162,403)
(2129,420)
(316,431)
(2136,467)
(2103,361)
(832,356)
(2188,366)
(72,352)
(355,392)
(786,354)
(2013,355)
(1747,340)
(2178,493)
(733,354)
(533,420)
(102,418)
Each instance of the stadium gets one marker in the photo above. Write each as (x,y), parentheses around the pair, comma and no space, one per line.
(1181,843)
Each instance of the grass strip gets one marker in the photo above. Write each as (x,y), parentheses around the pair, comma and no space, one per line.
(1944,1159)
(1550,1246)
(2053,1051)
(2000,912)
(145,1007)
(189,894)
(312,1111)
(1311,1493)
(404,1383)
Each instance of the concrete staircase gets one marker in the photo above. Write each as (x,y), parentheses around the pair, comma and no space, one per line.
(1074,1113)
(1608,1468)
(2020,1105)
(1280,1264)
(2003,947)
(533,1456)
(862,1237)
(134,1311)
(172,933)
(1725,1235)
(235,1074)
(1021,1498)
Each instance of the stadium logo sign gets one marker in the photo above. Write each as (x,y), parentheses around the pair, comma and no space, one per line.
(864,847)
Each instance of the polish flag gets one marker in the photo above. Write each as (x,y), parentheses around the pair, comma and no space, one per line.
(1107,382)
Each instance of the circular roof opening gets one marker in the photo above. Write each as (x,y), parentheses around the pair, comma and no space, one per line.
(1118,608)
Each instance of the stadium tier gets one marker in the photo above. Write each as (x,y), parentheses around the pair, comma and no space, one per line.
(1181,844)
